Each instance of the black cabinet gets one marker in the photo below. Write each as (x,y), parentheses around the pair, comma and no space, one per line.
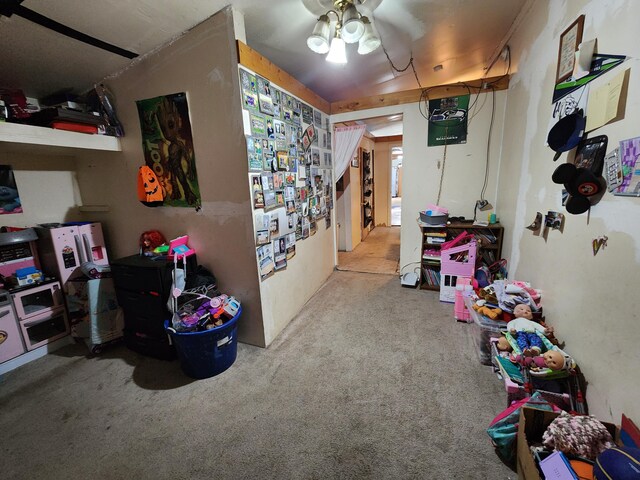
(142,287)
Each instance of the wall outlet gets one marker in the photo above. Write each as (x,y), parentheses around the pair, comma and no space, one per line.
(504,53)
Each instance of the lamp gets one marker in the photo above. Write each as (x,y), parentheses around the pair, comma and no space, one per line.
(350,27)
(318,41)
(338,51)
(369,40)
(482,205)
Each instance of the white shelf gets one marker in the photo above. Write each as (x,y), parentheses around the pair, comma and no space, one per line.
(16,133)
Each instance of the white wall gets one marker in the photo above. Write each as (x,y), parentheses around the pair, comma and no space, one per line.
(589,300)
(464,169)
(46,184)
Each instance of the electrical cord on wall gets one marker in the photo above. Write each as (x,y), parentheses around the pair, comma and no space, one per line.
(508,59)
(401,70)
(486,167)
(444,161)
(416,270)
(423,107)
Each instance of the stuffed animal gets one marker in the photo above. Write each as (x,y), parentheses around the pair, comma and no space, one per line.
(9,199)
(488,294)
(492,313)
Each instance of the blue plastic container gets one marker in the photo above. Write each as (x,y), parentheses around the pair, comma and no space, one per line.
(207,353)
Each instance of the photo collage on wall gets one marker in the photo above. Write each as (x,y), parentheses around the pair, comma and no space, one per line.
(290,170)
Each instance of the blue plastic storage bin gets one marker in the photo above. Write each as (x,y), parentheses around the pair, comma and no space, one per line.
(207,353)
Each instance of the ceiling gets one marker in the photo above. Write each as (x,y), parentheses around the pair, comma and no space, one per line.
(461,35)
(385,126)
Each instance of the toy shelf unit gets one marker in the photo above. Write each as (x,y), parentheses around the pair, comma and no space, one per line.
(432,239)
(488,240)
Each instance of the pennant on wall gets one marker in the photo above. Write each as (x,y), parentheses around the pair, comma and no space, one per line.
(448,121)
(168,147)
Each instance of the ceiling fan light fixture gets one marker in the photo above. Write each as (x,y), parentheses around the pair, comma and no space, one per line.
(318,41)
(349,26)
(369,41)
(352,26)
(338,50)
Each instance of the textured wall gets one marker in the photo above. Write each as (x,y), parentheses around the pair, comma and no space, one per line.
(203,64)
(590,300)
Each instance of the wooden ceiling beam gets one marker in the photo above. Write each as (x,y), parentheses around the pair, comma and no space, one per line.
(389,138)
(251,59)
(413,96)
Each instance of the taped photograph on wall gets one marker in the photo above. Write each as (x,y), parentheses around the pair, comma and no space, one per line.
(167,144)
(448,121)
(9,196)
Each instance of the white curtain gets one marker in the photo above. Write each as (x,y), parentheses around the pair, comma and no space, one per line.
(346,141)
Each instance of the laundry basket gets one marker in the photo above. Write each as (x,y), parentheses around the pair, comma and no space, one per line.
(209,352)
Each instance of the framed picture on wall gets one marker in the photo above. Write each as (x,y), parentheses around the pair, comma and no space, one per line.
(569,42)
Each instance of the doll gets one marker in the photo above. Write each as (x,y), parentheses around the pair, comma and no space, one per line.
(523,328)
(150,240)
(503,344)
(551,359)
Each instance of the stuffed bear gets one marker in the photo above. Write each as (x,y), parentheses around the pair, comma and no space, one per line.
(492,313)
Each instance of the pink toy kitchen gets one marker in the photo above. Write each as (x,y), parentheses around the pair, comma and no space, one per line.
(51,278)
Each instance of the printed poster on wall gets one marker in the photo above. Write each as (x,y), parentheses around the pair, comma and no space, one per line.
(9,196)
(167,144)
(448,121)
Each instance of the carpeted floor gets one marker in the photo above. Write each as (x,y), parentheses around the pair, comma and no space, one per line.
(370,381)
(378,253)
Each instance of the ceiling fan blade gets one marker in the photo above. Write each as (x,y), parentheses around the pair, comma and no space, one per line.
(13,7)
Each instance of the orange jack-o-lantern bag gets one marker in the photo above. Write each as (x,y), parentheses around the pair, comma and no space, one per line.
(150,191)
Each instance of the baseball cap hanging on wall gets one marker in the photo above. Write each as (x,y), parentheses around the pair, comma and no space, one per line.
(582,179)
(567,133)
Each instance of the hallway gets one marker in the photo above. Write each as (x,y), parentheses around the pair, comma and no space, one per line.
(379,253)
(396,211)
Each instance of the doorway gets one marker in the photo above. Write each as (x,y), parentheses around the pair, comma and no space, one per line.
(396,185)
(368,234)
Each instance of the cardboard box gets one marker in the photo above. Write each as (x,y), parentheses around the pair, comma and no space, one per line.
(532,425)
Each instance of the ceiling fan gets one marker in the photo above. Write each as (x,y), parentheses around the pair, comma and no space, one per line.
(14,7)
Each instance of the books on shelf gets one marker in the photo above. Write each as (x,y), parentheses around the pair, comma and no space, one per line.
(434,238)
(431,277)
